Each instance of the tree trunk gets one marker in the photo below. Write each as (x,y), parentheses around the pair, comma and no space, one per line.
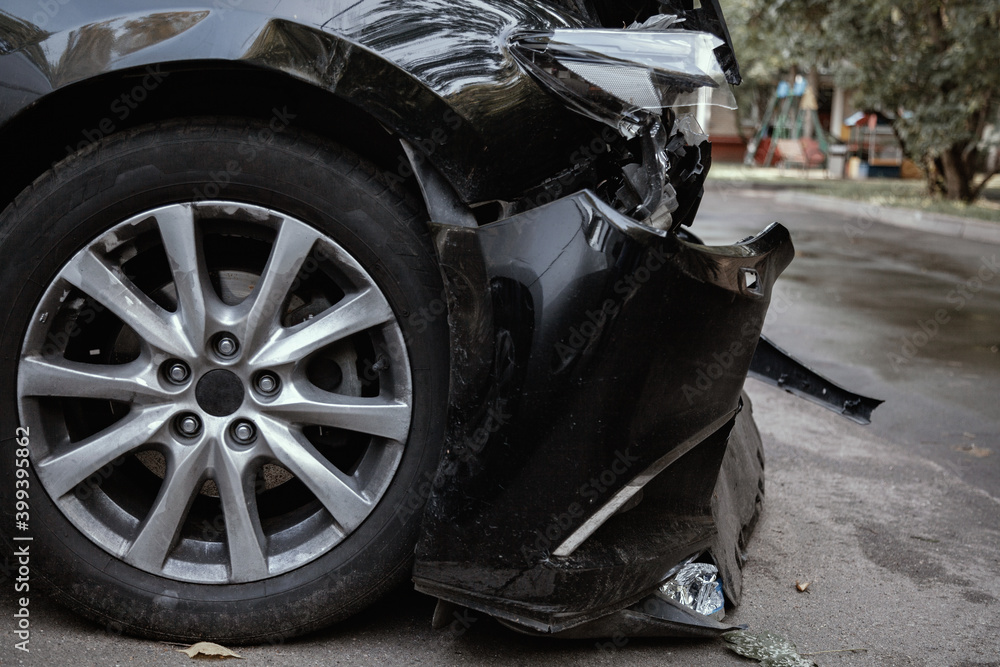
(957,175)
(932,172)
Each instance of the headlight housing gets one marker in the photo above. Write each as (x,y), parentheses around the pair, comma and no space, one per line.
(619,76)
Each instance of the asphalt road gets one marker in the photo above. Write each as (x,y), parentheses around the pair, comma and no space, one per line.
(895,525)
(905,316)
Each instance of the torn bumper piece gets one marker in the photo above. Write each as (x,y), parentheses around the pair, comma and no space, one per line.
(597,433)
(776,367)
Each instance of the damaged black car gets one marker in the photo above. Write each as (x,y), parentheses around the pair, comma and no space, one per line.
(303,300)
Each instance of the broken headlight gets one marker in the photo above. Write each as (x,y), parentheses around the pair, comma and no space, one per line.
(619,76)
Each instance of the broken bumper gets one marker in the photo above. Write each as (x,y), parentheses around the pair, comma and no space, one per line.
(597,430)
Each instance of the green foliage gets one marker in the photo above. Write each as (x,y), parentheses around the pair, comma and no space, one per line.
(929,63)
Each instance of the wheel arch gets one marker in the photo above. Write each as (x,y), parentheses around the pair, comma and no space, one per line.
(72,117)
(468,107)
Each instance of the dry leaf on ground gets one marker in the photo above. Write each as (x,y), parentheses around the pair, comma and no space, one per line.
(208,650)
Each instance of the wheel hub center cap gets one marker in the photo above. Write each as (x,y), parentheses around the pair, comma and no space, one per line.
(219,393)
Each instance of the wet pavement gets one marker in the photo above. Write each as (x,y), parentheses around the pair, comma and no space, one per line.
(895,525)
(909,317)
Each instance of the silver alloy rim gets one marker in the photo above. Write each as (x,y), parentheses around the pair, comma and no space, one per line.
(217,392)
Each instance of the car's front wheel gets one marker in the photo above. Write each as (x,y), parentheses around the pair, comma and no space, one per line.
(228,412)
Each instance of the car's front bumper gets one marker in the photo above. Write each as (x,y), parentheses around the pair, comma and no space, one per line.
(596,432)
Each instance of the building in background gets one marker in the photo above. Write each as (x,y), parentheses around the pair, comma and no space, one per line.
(813,122)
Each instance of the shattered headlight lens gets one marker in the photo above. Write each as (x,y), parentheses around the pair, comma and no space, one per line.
(615,75)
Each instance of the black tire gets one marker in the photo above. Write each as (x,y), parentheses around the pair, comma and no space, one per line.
(300,178)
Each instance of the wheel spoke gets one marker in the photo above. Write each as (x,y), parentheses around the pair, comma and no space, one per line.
(62,472)
(118,294)
(134,382)
(291,248)
(187,264)
(244,535)
(307,405)
(334,490)
(185,475)
(353,314)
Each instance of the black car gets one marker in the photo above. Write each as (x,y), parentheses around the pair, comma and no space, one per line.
(306,299)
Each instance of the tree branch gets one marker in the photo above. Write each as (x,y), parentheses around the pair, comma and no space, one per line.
(980,126)
(978,190)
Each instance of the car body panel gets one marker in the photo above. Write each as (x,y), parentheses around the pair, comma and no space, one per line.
(597,430)
(584,342)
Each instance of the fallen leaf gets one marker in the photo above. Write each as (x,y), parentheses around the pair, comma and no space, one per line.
(972,450)
(767,648)
(208,650)
(801,586)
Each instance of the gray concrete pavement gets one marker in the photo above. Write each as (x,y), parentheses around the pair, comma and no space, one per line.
(898,314)
(940,224)
(934,223)
(895,524)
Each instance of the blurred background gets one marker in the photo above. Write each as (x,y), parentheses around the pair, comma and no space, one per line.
(900,99)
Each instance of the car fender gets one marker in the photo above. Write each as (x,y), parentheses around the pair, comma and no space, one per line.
(468,107)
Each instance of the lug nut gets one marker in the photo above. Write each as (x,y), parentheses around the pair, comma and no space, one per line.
(178,372)
(267,383)
(189,425)
(226,346)
(244,432)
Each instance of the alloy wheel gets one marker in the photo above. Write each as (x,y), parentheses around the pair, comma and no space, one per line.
(222,392)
